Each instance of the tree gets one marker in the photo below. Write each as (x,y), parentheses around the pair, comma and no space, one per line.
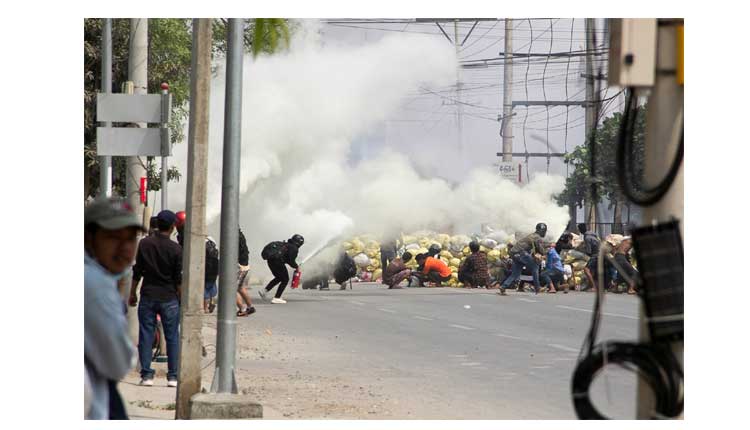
(170,42)
(578,184)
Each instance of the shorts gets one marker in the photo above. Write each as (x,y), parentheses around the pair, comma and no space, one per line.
(243,280)
(210,290)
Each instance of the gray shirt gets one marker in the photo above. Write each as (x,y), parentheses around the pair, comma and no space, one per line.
(108,351)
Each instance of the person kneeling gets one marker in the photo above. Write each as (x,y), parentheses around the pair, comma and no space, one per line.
(433,269)
(396,271)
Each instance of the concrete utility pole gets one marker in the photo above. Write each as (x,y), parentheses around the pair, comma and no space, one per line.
(138,74)
(226,341)
(105,163)
(194,256)
(589,207)
(223,402)
(662,120)
(507,125)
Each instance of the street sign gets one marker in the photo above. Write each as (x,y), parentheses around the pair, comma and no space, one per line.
(126,142)
(128,107)
(508,170)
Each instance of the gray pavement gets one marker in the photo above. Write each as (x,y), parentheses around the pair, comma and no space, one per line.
(435,353)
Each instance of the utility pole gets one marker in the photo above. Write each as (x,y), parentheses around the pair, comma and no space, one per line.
(105,163)
(459,106)
(226,340)
(590,120)
(662,120)
(164,165)
(194,256)
(507,125)
(138,74)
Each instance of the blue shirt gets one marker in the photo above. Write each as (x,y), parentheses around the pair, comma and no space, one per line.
(553,260)
(108,351)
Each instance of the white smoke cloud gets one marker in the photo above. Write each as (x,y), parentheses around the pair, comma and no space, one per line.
(301,112)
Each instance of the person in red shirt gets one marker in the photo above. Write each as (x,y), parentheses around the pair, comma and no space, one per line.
(433,269)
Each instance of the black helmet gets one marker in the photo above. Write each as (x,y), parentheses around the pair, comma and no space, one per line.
(541,228)
(434,249)
(297,240)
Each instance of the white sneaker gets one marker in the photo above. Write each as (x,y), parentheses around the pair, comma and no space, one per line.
(278,301)
(147,382)
(172,383)
(262,293)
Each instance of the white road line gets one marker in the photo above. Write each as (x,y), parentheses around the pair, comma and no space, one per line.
(541,367)
(473,363)
(387,310)
(562,347)
(462,327)
(423,318)
(458,356)
(356,303)
(590,311)
(508,336)
(528,300)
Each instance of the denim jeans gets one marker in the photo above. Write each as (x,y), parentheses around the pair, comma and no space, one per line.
(519,261)
(169,312)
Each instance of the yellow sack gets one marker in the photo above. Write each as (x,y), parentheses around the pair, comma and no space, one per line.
(455,262)
(466,251)
(446,254)
(347,245)
(377,274)
(493,255)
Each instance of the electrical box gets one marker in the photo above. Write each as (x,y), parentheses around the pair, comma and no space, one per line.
(632,52)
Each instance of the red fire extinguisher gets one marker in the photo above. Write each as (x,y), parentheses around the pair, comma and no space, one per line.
(295,278)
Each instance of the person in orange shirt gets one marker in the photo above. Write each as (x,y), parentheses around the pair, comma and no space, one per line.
(433,269)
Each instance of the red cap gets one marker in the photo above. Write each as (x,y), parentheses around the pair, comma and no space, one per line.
(164,86)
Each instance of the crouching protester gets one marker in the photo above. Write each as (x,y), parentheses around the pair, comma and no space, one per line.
(397,271)
(554,272)
(345,270)
(522,254)
(110,242)
(432,269)
(474,271)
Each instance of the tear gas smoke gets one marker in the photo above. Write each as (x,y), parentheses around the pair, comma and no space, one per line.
(301,112)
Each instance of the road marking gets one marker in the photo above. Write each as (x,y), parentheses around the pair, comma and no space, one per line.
(356,303)
(590,311)
(462,327)
(387,310)
(528,300)
(458,356)
(563,359)
(541,367)
(473,363)
(562,347)
(423,318)
(508,336)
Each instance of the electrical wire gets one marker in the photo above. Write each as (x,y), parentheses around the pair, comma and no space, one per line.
(639,193)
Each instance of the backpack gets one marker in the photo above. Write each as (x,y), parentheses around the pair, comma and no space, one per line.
(243,257)
(212,260)
(273,251)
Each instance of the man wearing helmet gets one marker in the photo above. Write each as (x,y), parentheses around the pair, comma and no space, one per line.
(278,255)
(522,254)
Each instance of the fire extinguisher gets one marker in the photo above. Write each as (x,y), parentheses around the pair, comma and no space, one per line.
(295,278)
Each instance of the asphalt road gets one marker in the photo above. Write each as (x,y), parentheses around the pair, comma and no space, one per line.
(435,353)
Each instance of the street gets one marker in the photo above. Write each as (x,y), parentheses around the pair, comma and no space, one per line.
(423,353)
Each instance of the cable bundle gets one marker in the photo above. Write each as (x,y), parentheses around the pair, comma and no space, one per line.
(655,363)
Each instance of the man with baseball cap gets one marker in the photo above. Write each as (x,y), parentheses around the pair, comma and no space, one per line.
(159,264)
(110,241)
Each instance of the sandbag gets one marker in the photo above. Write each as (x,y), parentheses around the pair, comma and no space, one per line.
(361,260)
(488,243)
(377,274)
(455,262)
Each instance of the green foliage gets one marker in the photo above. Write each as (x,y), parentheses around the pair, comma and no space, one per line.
(578,184)
(170,42)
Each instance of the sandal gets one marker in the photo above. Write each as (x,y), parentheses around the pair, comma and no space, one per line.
(246,312)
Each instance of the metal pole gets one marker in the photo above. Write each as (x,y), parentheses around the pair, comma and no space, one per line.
(459,105)
(589,207)
(105,163)
(164,159)
(507,125)
(226,341)
(664,106)
(194,255)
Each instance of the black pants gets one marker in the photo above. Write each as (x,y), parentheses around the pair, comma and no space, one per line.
(281,277)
